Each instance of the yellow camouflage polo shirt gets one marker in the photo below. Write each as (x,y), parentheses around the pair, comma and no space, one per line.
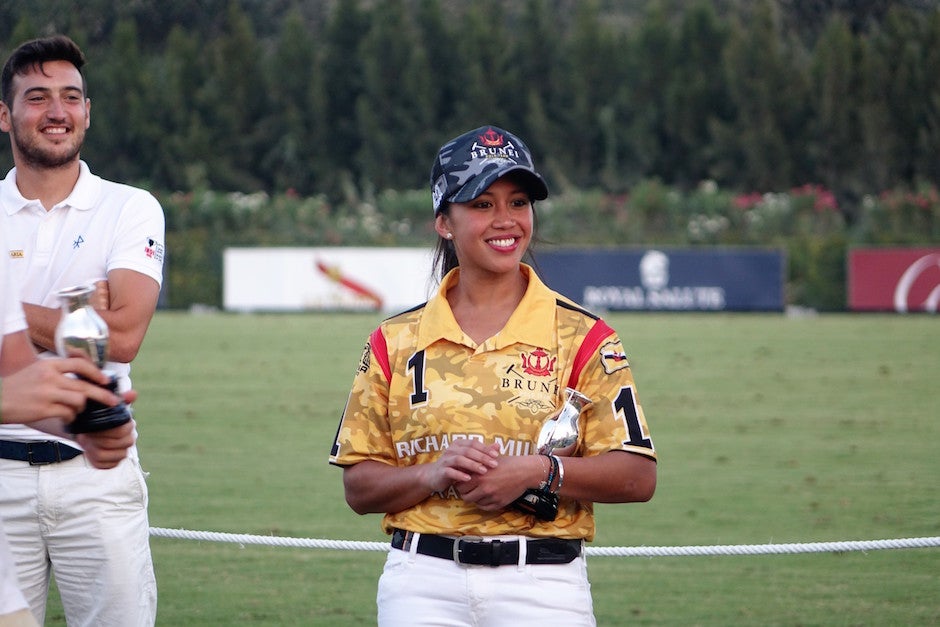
(422,382)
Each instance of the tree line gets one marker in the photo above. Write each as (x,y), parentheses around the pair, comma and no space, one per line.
(336,97)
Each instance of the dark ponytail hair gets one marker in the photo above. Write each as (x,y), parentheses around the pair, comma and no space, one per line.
(445,255)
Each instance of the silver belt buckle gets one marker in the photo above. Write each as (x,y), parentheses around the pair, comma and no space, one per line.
(55,447)
(407,537)
(457,542)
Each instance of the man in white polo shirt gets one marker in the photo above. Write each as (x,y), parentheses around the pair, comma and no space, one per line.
(41,393)
(64,227)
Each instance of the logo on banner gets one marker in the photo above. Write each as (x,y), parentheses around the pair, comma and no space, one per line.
(654,270)
(921,276)
(654,291)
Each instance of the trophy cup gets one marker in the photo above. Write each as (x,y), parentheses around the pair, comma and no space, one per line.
(82,332)
(559,435)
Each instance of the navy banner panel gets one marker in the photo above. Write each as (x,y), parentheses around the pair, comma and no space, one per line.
(662,279)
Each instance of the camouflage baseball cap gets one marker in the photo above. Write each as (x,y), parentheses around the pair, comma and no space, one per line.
(467,165)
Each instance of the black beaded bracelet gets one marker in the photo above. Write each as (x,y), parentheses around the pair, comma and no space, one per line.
(553,468)
(552,474)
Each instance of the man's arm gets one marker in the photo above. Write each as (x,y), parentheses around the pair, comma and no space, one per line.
(34,389)
(133,300)
(42,393)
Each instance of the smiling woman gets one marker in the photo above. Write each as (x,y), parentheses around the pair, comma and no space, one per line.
(490,234)
(441,430)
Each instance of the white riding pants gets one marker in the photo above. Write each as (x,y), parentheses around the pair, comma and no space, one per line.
(417,589)
(88,528)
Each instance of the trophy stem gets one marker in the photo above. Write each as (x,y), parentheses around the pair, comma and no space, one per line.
(82,332)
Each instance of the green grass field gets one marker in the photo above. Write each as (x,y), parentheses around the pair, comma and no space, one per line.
(769,429)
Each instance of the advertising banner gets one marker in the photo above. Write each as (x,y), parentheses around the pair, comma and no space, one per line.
(708,279)
(894,279)
(326,279)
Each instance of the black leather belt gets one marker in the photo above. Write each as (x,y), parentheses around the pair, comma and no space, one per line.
(38,453)
(484,552)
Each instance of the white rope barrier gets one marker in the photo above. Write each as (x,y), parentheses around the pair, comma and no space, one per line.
(612,551)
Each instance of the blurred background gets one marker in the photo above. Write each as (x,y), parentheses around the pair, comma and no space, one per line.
(809,127)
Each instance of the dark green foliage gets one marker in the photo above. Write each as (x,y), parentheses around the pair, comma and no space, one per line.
(803,221)
(239,95)
(331,111)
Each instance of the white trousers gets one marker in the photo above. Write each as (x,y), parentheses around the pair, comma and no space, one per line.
(88,528)
(417,589)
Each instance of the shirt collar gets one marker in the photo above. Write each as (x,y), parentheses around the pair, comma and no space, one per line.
(528,324)
(82,197)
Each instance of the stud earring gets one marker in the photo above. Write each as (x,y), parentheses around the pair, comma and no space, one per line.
(449,236)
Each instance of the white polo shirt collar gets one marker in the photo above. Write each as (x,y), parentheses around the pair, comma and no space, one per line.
(83,195)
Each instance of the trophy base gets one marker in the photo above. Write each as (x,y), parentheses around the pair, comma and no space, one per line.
(99,417)
(539,503)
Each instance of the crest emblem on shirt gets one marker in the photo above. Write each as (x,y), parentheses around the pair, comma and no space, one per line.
(366,358)
(538,363)
(613,357)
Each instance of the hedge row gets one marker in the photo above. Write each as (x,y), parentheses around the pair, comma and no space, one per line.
(806,222)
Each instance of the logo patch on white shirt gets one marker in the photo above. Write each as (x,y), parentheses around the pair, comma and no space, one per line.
(154,249)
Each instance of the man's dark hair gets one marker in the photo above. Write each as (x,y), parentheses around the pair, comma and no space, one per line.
(35,53)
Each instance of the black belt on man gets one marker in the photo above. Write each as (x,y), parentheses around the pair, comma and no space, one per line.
(485,552)
(38,453)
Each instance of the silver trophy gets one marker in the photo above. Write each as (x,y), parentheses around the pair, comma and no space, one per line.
(81,332)
(559,436)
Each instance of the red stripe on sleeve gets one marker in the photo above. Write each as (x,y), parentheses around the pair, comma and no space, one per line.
(380,352)
(598,333)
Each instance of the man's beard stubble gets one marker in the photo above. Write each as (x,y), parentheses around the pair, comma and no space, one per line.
(40,158)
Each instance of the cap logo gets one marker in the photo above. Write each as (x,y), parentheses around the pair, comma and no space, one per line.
(491,138)
(493,146)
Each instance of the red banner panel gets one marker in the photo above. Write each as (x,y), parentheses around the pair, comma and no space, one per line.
(894,279)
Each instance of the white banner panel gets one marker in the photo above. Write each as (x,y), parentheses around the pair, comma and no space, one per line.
(311,279)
